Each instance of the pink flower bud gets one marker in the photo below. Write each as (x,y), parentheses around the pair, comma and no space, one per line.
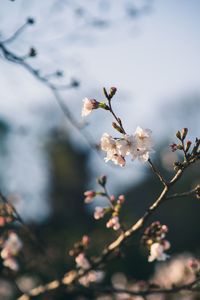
(89,195)
(164,228)
(112,198)
(85,240)
(121,198)
(99,212)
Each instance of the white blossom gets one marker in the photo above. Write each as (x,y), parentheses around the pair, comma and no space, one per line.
(157,251)
(92,276)
(110,145)
(144,143)
(88,106)
(138,146)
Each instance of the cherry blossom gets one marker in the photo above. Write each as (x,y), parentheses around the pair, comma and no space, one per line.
(88,106)
(82,261)
(113,223)
(89,196)
(99,212)
(10,248)
(157,251)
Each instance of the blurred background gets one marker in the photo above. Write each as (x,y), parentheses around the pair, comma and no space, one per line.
(150,51)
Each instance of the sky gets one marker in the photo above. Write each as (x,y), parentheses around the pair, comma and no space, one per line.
(153,61)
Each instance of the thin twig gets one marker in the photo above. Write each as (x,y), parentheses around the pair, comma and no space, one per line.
(180,195)
(155,170)
(10,56)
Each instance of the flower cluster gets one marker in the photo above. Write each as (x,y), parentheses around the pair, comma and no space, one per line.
(138,145)
(179,270)
(113,209)
(10,249)
(154,239)
(83,263)
(91,276)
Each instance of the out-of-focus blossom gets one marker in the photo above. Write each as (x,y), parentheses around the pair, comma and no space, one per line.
(90,277)
(7,290)
(82,261)
(121,198)
(113,223)
(99,212)
(88,106)
(27,283)
(176,271)
(85,240)
(11,263)
(10,249)
(89,196)
(11,246)
(157,251)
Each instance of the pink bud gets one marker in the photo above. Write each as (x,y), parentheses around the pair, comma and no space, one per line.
(112,198)
(85,240)
(121,198)
(164,228)
(89,195)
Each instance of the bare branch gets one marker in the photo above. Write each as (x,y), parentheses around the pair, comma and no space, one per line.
(155,170)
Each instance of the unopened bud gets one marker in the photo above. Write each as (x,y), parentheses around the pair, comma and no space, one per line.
(178,135)
(112,198)
(184,132)
(196,146)
(177,165)
(113,91)
(89,195)
(32,52)
(188,144)
(117,127)
(164,228)
(30,21)
(121,199)
(85,240)
(179,147)
(102,180)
